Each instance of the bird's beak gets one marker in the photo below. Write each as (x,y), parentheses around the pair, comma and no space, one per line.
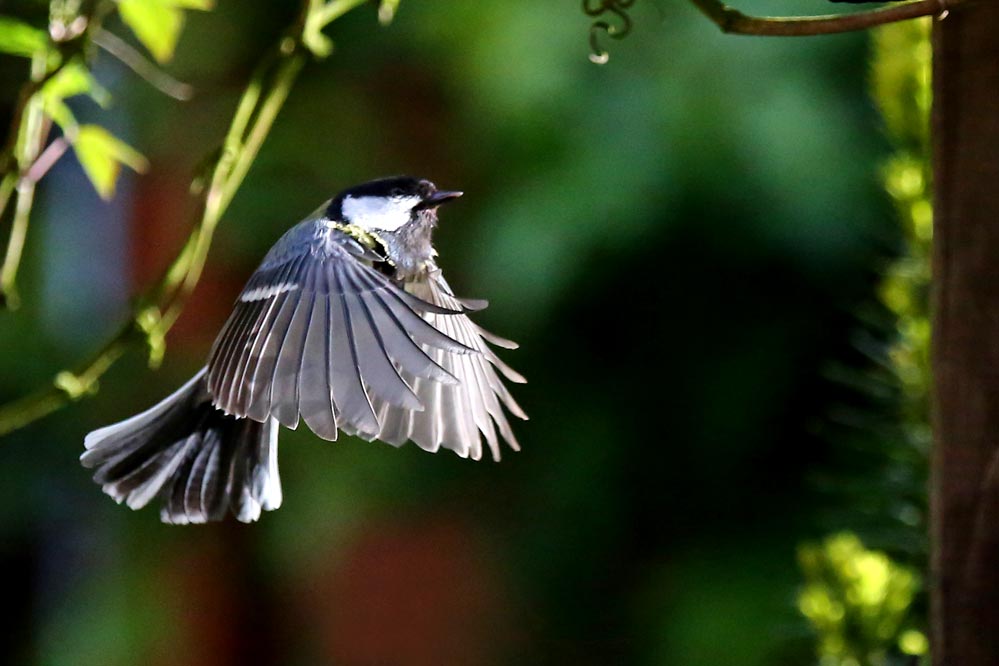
(441,196)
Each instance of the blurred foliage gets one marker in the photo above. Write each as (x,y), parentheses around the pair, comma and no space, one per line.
(858,601)
(862,604)
(101,154)
(680,241)
(901,80)
(59,58)
(61,73)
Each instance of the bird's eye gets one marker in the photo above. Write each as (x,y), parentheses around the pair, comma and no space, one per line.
(396,192)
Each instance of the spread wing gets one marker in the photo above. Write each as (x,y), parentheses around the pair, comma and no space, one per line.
(318,333)
(457,415)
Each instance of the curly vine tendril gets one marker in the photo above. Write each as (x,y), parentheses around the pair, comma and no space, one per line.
(596,8)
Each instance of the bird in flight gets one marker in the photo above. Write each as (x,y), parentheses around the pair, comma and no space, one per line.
(347,325)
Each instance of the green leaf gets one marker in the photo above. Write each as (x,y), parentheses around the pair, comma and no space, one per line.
(157,23)
(76,79)
(60,113)
(73,79)
(101,154)
(21,39)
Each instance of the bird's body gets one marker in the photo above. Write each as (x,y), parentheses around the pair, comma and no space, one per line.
(349,325)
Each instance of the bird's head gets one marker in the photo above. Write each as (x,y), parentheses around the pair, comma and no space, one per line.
(388,204)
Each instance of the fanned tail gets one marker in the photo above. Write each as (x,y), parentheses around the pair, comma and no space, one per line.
(200,461)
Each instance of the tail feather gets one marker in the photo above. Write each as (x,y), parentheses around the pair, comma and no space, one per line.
(200,461)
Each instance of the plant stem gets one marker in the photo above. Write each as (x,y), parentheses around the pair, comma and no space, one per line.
(735,22)
(30,134)
(67,386)
(15,244)
(224,189)
(132,58)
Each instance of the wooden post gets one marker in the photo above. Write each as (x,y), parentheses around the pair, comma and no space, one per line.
(965,466)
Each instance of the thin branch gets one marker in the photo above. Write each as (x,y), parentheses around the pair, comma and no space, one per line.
(8,157)
(15,244)
(67,385)
(47,159)
(22,212)
(7,188)
(29,136)
(735,22)
(157,310)
(138,63)
(220,195)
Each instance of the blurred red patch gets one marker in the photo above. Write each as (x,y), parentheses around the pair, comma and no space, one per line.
(424,593)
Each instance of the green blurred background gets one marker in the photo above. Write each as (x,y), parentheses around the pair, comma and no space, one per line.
(686,242)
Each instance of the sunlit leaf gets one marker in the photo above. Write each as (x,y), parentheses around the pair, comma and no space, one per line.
(157,23)
(60,113)
(73,79)
(101,154)
(21,39)
(76,79)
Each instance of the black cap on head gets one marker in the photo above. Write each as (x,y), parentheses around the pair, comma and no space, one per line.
(394,186)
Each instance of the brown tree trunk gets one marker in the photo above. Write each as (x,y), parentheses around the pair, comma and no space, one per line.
(965,484)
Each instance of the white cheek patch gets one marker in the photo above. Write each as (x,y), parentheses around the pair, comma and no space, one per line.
(378,212)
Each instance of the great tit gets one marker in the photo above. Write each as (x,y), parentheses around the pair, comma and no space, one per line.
(349,325)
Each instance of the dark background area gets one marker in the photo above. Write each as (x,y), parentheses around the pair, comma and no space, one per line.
(684,242)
